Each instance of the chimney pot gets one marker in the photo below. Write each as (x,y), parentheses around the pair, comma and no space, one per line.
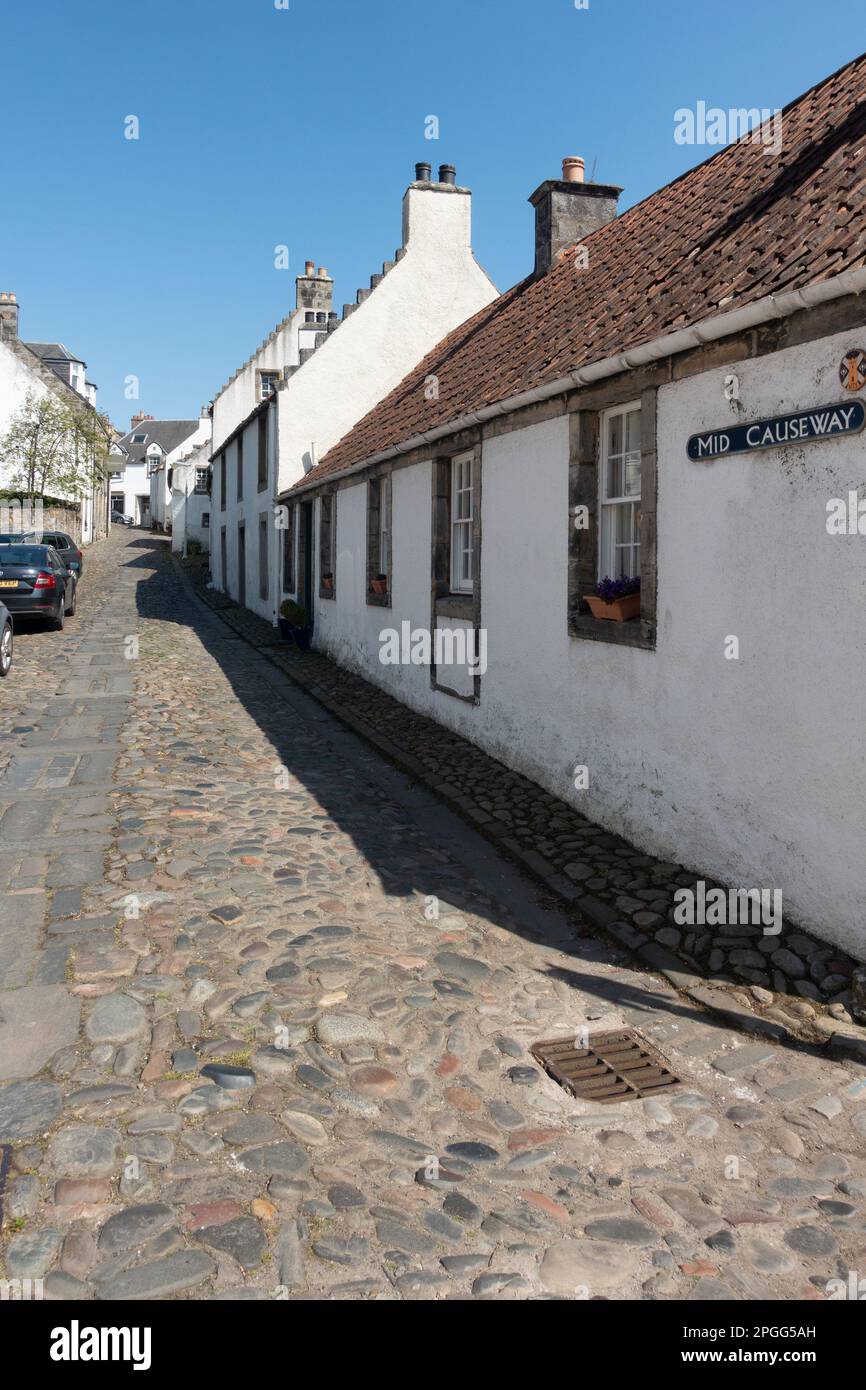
(323,274)
(4,295)
(310,269)
(573,169)
(422,173)
(447,174)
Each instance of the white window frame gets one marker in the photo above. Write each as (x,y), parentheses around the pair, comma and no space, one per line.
(200,487)
(462,525)
(265,376)
(610,549)
(384,524)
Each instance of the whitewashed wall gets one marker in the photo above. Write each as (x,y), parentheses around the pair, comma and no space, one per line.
(430,291)
(751,770)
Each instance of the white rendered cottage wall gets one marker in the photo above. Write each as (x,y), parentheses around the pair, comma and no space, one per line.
(436,286)
(749,770)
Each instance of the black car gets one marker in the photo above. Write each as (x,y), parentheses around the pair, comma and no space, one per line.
(66,548)
(5,640)
(60,541)
(34,582)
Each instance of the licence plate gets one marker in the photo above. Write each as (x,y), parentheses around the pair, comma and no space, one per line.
(8,583)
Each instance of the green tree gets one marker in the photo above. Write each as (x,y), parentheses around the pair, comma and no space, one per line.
(54,448)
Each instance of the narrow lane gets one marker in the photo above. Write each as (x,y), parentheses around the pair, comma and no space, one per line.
(204,870)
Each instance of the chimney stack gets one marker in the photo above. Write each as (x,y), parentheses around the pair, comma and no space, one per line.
(567,210)
(139,419)
(314,292)
(8,315)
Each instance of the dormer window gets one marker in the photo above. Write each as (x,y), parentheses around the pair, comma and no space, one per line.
(139,439)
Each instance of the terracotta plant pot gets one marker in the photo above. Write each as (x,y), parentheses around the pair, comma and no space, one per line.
(379,586)
(620,611)
(327,581)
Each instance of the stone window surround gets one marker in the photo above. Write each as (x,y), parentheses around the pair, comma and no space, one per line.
(289,551)
(239,456)
(374,494)
(583,491)
(262,442)
(264,557)
(444,603)
(327,543)
(263,372)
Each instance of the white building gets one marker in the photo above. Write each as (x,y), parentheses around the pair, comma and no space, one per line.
(34,369)
(583,430)
(318,373)
(190,499)
(141,459)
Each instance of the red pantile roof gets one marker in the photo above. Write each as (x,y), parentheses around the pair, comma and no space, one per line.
(745,224)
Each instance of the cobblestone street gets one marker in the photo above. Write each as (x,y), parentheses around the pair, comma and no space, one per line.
(267,1005)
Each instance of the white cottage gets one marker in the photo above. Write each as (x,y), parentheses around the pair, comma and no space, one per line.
(674,396)
(33,369)
(319,372)
(141,461)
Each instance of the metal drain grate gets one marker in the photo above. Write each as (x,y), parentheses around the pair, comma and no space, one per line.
(612,1067)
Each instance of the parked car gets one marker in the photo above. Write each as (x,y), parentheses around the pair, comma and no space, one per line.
(61,541)
(66,548)
(5,640)
(121,519)
(35,582)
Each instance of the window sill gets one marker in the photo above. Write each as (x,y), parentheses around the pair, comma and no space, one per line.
(378,600)
(456,606)
(262,487)
(635,633)
(327,593)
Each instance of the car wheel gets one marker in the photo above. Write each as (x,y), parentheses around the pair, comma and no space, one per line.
(70,612)
(6,650)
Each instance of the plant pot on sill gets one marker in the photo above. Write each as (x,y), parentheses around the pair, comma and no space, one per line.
(379,585)
(621,610)
(327,581)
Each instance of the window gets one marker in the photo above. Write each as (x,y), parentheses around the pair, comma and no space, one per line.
(116,477)
(462,549)
(267,384)
(289,552)
(263,450)
(619,498)
(240,465)
(201,479)
(205,520)
(379,540)
(263,555)
(153,462)
(327,519)
(385,525)
(139,439)
(223,484)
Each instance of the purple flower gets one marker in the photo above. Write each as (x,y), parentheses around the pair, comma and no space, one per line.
(612,589)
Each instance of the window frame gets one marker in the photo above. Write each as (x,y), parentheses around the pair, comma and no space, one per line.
(587,416)
(239,461)
(289,555)
(263,374)
(263,442)
(608,545)
(327,543)
(379,524)
(458,582)
(223,481)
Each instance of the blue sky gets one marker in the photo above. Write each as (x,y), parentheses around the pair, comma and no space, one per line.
(301,126)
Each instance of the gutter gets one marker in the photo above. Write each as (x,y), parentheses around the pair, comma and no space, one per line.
(773,306)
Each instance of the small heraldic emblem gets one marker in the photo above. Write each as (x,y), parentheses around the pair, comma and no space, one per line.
(852,370)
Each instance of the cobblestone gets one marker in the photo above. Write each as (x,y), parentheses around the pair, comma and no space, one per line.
(381,1148)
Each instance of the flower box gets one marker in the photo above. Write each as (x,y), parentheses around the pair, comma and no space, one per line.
(619,611)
